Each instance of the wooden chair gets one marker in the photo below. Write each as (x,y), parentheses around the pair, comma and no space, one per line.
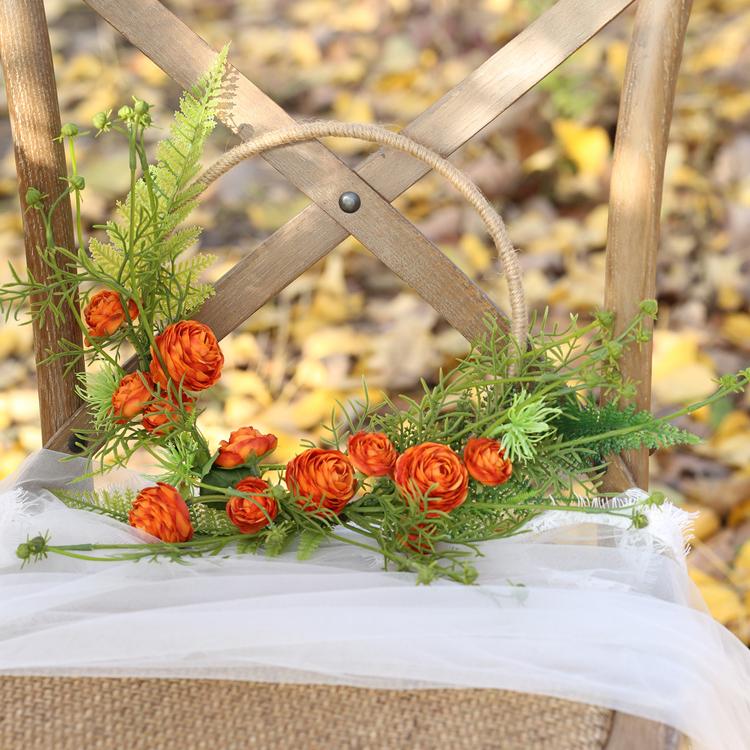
(55,710)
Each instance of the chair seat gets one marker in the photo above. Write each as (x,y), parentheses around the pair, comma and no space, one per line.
(144,714)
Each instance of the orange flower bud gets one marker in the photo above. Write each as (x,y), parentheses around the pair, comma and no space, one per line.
(162,415)
(321,479)
(433,471)
(485,459)
(104,313)
(131,396)
(241,445)
(372,453)
(190,353)
(248,515)
(161,512)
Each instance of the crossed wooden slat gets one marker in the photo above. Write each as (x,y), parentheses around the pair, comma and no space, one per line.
(322,176)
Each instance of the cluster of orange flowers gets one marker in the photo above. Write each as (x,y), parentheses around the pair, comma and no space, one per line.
(188,353)
(188,350)
(327,479)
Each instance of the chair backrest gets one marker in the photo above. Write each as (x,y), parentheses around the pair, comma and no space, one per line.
(642,132)
(635,202)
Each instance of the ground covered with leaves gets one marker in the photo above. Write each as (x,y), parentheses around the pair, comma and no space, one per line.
(545,164)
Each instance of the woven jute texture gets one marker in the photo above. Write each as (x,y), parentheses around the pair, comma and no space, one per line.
(154,714)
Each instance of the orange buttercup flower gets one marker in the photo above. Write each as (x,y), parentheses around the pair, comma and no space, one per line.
(372,453)
(131,396)
(485,459)
(241,445)
(162,415)
(433,471)
(248,515)
(190,353)
(161,512)
(104,313)
(322,479)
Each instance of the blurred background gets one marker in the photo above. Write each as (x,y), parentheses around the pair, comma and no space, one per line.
(545,165)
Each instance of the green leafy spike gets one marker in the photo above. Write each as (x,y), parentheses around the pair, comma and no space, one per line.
(594,424)
(115,503)
(309,541)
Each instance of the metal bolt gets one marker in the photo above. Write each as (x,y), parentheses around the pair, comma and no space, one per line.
(76,444)
(349,202)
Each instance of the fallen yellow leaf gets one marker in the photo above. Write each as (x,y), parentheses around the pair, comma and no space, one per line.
(587,147)
(722,601)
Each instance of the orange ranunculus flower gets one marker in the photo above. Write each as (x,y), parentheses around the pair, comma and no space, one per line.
(321,479)
(161,512)
(190,353)
(434,471)
(247,515)
(162,415)
(241,445)
(485,459)
(131,396)
(104,313)
(372,453)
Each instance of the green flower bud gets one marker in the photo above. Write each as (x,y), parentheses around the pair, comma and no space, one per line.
(140,107)
(69,130)
(33,197)
(639,521)
(23,551)
(37,545)
(730,383)
(605,318)
(614,349)
(77,182)
(125,113)
(101,120)
(649,307)
(628,391)
(643,336)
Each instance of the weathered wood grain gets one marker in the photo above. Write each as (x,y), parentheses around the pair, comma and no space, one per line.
(633,239)
(35,121)
(637,181)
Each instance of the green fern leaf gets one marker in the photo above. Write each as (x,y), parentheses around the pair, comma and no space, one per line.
(115,503)
(210,521)
(180,241)
(309,541)
(596,423)
(109,259)
(164,198)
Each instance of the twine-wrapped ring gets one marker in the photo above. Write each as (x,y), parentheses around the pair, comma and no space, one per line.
(375,134)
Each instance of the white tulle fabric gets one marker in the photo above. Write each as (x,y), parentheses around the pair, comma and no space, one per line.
(582,607)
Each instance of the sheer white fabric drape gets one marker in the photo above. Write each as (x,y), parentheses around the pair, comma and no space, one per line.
(589,611)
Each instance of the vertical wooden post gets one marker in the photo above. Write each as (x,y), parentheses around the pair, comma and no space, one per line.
(637,181)
(35,120)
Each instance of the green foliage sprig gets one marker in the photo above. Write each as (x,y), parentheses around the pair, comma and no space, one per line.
(556,407)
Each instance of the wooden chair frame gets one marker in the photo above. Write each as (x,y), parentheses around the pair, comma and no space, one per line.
(635,201)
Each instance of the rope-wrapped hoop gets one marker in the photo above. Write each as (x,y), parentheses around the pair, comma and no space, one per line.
(375,134)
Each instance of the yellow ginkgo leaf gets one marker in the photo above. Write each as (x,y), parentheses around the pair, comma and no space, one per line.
(722,601)
(587,147)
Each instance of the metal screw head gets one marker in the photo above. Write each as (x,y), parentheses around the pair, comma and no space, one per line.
(76,444)
(349,202)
